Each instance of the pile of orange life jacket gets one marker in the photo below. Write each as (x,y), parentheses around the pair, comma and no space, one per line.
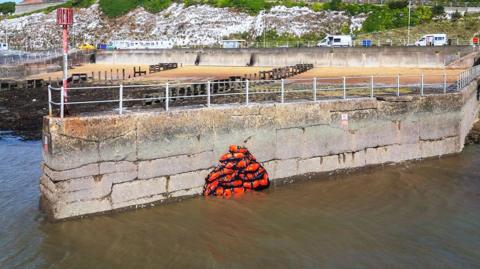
(237,172)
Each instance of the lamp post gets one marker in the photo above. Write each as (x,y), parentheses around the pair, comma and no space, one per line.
(408,30)
(65,18)
(264,31)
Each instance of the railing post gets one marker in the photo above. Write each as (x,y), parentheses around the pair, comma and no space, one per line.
(120,99)
(444,83)
(371,87)
(398,85)
(208,93)
(49,100)
(314,89)
(282,91)
(344,88)
(167,98)
(246,91)
(421,87)
(62,102)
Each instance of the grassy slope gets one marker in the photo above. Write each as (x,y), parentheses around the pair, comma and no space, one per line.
(463,29)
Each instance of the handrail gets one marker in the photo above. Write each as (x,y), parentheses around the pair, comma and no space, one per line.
(367,85)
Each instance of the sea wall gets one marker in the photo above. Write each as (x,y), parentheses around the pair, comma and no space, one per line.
(101,163)
(334,57)
(37,66)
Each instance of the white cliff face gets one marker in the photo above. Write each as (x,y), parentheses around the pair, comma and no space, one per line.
(178,25)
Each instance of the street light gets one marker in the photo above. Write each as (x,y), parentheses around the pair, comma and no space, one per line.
(264,30)
(408,31)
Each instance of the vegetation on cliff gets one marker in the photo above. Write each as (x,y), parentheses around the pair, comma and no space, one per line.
(7,8)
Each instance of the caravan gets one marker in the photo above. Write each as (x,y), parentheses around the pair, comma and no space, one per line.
(336,41)
(432,40)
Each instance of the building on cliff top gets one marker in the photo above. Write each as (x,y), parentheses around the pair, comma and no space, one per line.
(33,5)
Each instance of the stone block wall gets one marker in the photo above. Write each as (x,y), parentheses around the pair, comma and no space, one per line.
(101,163)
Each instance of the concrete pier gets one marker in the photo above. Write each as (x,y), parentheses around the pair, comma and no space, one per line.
(96,164)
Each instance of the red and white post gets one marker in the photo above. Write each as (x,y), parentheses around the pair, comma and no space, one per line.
(65,18)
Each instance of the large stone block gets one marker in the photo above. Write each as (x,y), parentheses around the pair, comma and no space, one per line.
(119,172)
(121,177)
(83,189)
(175,165)
(433,127)
(375,134)
(61,210)
(48,193)
(330,163)
(68,153)
(187,192)
(100,128)
(306,166)
(408,132)
(138,192)
(119,148)
(291,115)
(83,183)
(187,181)
(440,147)
(290,143)
(281,168)
(83,171)
(323,140)
(262,144)
(161,135)
(117,167)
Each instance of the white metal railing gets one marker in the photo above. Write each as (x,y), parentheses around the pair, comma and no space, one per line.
(320,88)
(467,76)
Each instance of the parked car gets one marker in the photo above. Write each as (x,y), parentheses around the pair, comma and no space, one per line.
(432,40)
(336,41)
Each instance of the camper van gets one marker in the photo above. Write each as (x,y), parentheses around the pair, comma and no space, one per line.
(432,40)
(3,46)
(336,41)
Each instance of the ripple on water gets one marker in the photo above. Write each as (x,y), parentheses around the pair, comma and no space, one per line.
(421,214)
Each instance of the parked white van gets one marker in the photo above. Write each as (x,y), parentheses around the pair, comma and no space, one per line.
(3,46)
(432,40)
(336,41)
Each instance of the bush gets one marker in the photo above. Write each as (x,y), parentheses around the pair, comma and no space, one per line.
(249,6)
(397,4)
(7,7)
(456,16)
(82,3)
(115,8)
(155,6)
(317,7)
(334,5)
(291,3)
(422,14)
(438,10)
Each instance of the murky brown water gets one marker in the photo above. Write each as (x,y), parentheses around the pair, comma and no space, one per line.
(416,215)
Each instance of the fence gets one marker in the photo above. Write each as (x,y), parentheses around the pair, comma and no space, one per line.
(19,57)
(265,91)
(462,3)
